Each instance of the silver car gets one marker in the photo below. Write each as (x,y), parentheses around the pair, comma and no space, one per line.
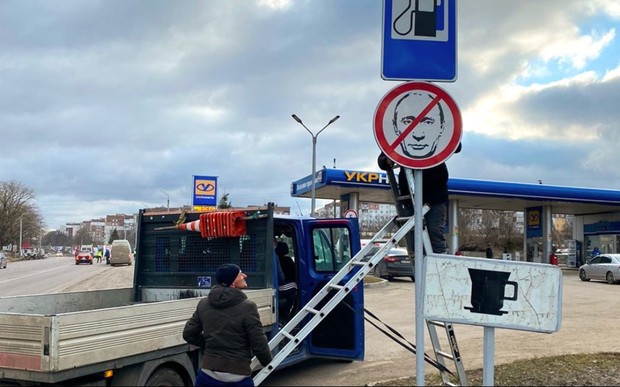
(2,260)
(602,267)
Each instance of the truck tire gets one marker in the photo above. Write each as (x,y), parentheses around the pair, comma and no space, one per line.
(175,370)
(164,377)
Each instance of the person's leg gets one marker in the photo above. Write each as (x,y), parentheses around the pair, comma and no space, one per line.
(435,220)
(410,237)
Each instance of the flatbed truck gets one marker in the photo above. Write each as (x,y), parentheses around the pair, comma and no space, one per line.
(133,336)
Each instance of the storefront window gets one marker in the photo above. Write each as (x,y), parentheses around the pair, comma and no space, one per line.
(606,243)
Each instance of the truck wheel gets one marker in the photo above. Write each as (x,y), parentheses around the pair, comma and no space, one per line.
(164,377)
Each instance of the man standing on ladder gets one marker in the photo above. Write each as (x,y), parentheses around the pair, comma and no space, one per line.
(434,193)
(421,144)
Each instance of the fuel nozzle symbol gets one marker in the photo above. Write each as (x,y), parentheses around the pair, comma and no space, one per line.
(419,19)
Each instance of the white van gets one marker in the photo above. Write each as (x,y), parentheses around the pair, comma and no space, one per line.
(121,253)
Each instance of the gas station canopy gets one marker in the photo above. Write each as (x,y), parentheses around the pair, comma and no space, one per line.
(334,184)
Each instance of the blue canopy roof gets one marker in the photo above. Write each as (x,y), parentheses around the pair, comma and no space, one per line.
(373,186)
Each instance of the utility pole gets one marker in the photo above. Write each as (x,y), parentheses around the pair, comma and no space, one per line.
(21,228)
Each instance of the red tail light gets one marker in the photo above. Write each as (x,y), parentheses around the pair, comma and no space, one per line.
(389,259)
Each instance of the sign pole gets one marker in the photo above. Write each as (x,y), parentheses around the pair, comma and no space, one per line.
(489,355)
(403,112)
(419,274)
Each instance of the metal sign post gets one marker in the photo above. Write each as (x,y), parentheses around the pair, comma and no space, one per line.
(420,278)
(418,126)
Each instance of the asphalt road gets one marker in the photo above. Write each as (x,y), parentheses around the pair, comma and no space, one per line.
(58,274)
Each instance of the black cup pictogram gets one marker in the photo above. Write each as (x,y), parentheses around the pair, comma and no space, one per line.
(488,291)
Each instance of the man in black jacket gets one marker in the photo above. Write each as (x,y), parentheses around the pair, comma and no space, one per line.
(227,326)
(434,193)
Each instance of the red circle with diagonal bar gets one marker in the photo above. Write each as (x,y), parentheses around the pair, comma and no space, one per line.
(418,125)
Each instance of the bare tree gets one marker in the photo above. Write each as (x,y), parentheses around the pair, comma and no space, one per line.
(477,228)
(83,237)
(56,238)
(489,227)
(469,220)
(16,206)
(508,235)
(562,229)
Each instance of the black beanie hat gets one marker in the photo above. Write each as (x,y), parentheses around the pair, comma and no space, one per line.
(226,274)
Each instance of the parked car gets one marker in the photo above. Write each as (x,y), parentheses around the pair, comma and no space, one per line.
(376,246)
(84,257)
(395,264)
(3,260)
(604,267)
(121,253)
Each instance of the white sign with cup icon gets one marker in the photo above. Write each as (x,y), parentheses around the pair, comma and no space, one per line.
(493,293)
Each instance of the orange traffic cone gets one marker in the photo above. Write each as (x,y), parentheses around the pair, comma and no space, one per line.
(190,226)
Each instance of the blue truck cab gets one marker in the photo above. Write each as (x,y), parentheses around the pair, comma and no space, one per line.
(183,263)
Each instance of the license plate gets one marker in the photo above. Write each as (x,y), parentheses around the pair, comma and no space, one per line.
(405,261)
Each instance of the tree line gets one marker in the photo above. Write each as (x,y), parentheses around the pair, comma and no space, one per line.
(478,228)
(18,211)
(20,214)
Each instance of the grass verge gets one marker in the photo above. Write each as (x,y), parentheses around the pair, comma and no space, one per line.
(600,369)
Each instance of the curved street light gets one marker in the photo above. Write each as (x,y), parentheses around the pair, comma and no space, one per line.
(314,137)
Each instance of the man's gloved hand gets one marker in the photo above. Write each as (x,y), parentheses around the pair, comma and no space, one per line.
(385,162)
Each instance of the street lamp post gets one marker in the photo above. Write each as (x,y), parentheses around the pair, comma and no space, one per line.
(314,137)
(168,201)
(21,230)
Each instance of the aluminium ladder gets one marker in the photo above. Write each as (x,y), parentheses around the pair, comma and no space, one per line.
(317,313)
(440,355)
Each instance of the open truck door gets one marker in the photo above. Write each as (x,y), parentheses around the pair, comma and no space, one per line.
(332,244)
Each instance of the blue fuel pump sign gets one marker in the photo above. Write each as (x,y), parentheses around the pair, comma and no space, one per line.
(419,40)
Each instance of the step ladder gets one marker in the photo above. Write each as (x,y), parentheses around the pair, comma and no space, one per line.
(440,355)
(454,355)
(334,292)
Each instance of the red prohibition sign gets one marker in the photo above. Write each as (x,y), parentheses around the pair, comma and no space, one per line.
(418,125)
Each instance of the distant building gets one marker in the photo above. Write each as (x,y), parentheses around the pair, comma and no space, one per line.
(125,225)
(372,216)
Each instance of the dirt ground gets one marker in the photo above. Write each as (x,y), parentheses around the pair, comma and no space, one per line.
(589,313)
(110,278)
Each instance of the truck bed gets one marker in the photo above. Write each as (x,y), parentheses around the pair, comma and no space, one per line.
(55,332)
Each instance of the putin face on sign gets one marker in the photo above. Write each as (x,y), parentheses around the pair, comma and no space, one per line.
(421,142)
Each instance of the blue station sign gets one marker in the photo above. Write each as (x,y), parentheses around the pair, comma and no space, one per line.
(419,40)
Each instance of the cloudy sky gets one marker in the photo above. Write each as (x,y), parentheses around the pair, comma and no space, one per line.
(105,104)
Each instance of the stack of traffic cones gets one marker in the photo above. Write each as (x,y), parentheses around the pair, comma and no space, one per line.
(217,224)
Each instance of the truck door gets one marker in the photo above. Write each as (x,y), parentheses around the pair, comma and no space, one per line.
(329,246)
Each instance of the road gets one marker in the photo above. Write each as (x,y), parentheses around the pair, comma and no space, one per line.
(585,305)
(60,274)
